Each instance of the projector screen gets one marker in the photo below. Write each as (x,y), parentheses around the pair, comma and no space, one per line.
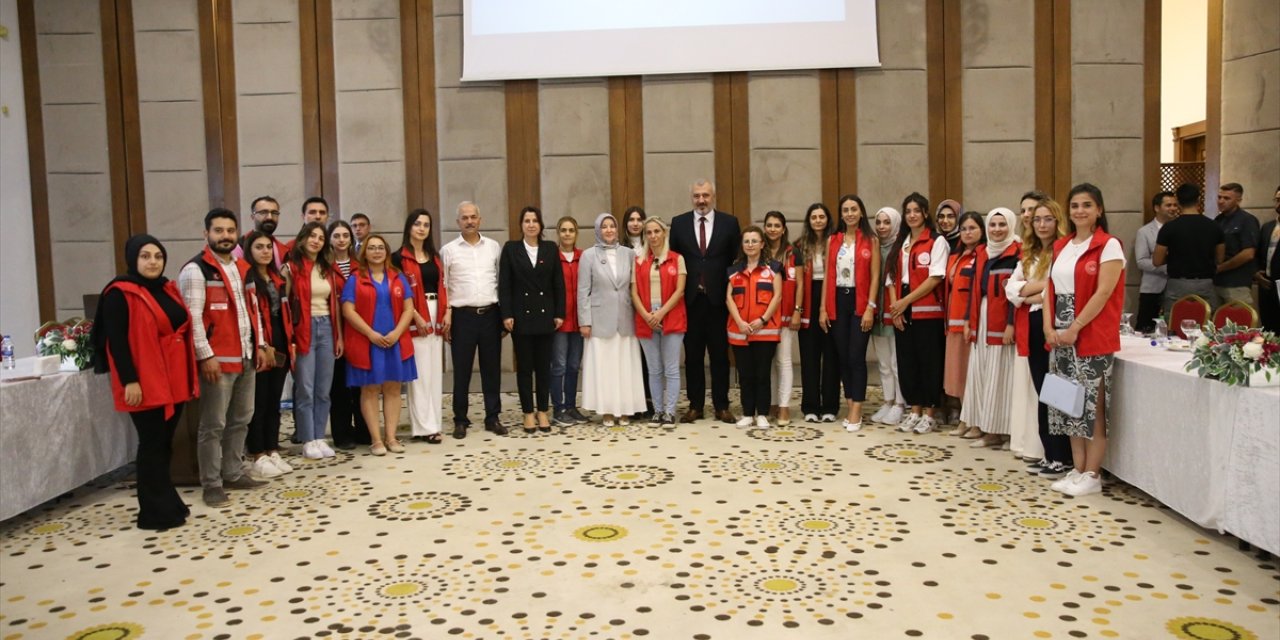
(520,39)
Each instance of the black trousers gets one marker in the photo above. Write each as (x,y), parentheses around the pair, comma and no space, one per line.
(1149,308)
(346,420)
(707,334)
(474,331)
(533,370)
(851,345)
(264,427)
(159,506)
(819,363)
(1056,448)
(1269,308)
(921,347)
(755,369)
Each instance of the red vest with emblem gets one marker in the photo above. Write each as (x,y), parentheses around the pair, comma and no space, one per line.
(413,273)
(569,268)
(789,284)
(861,272)
(358,347)
(264,305)
(959,284)
(300,294)
(1102,335)
(928,307)
(164,358)
(668,275)
(221,322)
(752,292)
(999,309)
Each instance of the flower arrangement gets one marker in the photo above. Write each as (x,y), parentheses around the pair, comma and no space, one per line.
(1234,353)
(69,340)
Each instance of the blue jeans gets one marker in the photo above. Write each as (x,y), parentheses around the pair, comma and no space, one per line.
(566,360)
(312,378)
(663,354)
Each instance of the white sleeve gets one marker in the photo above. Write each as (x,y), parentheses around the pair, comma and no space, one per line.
(938,256)
(1113,251)
(1013,286)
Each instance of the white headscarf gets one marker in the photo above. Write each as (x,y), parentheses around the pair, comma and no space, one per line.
(996,248)
(895,223)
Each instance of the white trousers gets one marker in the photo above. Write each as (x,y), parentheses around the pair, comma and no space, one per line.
(887,358)
(425,395)
(780,396)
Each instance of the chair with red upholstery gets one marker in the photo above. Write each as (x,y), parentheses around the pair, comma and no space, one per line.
(1190,307)
(1237,312)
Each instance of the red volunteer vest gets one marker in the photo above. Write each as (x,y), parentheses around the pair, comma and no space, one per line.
(668,274)
(412,273)
(959,285)
(164,358)
(570,271)
(930,306)
(300,271)
(264,305)
(358,348)
(752,293)
(998,306)
(861,272)
(220,320)
(1102,335)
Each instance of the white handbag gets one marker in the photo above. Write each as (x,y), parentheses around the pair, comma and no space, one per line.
(1064,394)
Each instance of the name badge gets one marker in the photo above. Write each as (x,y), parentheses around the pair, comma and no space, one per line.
(924,259)
(791,273)
(218,306)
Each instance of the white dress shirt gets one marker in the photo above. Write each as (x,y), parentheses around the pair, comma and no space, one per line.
(471,272)
(697,225)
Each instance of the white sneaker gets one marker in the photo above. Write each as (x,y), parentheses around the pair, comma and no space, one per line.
(311,451)
(762,422)
(879,415)
(1060,485)
(1087,483)
(894,416)
(925,424)
(909,423)
(828,417)
(280,463)
(745,422)
(264,468)
(325,449)
(852,427)
(810,417)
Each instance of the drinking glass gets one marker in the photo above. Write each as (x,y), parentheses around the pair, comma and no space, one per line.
(1126,324)
(1190,329)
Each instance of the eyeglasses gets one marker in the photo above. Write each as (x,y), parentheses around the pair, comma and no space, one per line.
(275,213)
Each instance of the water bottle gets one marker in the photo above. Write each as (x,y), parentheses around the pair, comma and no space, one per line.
(1161,336)
(6,353)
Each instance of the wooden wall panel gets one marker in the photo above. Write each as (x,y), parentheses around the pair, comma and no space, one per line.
(1151,104)
(124,144)
(319,102)
(422,169)
(839,123)
(524,160)
(1044,70)
(732,146)
(626,142)
(1061,100)
(218,83)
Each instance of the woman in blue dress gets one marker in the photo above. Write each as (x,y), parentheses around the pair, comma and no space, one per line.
(379,348)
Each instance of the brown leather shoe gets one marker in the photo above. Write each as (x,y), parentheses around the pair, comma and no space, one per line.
(726,416)
(691,415)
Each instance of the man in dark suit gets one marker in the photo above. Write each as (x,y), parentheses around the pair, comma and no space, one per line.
(708,241)
(1267,277)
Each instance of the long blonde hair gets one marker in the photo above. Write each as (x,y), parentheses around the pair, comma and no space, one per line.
(643,253)
(1036,257)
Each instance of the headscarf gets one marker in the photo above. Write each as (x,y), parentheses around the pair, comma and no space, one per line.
(600,243)
(996,248)
(155,286)
(895,223)
(953,236)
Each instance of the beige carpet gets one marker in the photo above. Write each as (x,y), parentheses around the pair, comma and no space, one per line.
(705,531)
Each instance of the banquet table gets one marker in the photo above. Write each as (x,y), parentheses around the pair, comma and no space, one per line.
(57,433)
(1208,450)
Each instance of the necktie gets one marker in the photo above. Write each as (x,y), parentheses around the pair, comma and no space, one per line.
(702,234)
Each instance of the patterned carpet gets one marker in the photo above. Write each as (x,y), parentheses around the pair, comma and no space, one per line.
(706,531)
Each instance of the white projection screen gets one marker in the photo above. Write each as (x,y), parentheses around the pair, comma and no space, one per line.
(521,39)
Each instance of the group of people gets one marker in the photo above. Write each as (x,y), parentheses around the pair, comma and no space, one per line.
(1182,252)
(968,313)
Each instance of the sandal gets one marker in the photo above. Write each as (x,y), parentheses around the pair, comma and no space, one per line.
(433,438)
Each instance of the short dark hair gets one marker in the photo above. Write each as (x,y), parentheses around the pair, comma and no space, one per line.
(1232,186)
(360,216)
(219,213)
(537,215)
(1158,199)
(1094,194)
(1187,194)
(253,205)
(313,200)
(1034,194)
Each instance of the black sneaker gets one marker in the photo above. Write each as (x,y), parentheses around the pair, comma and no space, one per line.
(563,419)
(655,419)
(668,420)
(577,416)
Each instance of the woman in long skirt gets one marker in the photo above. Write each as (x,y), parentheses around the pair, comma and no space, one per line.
(987,397)
(611,372)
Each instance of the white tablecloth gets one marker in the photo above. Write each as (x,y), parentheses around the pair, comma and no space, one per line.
(56,434)
(1209,451)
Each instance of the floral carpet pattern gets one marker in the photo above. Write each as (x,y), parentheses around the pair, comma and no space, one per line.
(701,532)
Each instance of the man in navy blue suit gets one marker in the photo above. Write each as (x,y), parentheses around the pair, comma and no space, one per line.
(708,241)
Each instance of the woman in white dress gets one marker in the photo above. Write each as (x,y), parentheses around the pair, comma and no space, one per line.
(612,382)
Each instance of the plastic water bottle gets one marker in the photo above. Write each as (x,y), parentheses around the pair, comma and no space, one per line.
(6,353)
(1161,337)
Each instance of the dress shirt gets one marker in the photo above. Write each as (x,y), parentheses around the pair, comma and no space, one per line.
(191,283)
(471,272)
(710,217)
(1153,278)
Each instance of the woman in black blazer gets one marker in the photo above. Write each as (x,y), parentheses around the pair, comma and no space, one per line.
(531,297)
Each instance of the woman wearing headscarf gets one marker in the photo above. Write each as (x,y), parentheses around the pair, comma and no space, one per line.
(959,293)
(990,329)
(611,370)
(888,220)
(947,217)
(142,335)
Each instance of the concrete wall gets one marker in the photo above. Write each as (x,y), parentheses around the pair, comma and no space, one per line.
(1251,101)
(19,312)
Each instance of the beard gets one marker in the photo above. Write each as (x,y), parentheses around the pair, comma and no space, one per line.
(267,226)
(222,247)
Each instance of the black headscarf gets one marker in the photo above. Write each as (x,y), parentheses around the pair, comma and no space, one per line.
(155,286)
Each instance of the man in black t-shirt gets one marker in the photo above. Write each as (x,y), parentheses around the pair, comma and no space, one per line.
(1192,247)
